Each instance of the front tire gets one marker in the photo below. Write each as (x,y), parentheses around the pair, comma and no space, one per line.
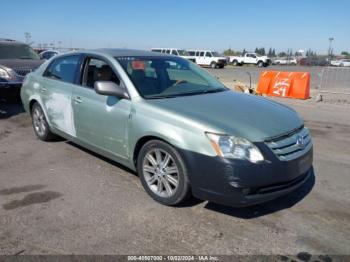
(260,64)
(213,65)
(163,173)
(40,125)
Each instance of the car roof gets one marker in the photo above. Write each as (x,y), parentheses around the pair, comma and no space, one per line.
(167,48)
(124,52)
(55,51)
(10,42)
(199,50)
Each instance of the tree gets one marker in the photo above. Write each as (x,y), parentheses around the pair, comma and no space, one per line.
(260,51)
(230,52)
(282,54)
(270,52)
(274,53)
(346,54)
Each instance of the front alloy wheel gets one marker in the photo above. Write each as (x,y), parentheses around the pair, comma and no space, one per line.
(163,173)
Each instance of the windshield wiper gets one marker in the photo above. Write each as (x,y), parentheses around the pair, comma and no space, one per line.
(188,94)
(161,96)
(204,92)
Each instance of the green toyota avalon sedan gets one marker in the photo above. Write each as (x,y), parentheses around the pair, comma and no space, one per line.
(183,131)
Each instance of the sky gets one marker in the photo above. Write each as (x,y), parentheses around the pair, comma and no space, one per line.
(188,24)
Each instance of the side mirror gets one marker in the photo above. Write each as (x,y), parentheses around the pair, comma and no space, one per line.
(109,88)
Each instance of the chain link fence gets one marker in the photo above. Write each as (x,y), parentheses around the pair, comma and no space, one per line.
(335,80)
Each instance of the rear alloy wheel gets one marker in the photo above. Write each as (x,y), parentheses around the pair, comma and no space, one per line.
(162,173)
(40,125)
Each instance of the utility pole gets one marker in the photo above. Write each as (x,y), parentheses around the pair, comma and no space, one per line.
(331,39)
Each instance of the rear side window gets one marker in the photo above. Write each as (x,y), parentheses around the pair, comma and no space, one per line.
(201,54)
(63,68)
(167,51)
(174,52)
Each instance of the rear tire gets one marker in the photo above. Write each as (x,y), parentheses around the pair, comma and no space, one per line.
(40,125)
(163,173)
(235,63)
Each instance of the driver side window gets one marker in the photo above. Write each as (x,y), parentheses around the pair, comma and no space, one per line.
(98,70)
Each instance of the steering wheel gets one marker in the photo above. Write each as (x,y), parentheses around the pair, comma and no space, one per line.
(179,82)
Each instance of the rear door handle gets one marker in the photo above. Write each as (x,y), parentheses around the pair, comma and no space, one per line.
(78,100)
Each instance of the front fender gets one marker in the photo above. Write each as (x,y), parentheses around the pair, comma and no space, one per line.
(182,134)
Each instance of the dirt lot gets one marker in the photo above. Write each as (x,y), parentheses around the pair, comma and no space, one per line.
(57,198)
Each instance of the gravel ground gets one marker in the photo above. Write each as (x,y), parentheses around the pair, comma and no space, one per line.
(57,198)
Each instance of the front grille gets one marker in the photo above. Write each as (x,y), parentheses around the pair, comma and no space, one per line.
(292,145)
(23,71)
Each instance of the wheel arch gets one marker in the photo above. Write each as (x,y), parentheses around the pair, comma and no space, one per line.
(31,103)
(141,142)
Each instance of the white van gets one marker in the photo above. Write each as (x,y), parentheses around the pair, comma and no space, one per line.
(174,51)
(208,58)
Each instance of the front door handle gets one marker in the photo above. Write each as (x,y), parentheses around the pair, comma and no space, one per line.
(78,100)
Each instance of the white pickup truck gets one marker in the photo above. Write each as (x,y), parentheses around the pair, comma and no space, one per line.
(250,58)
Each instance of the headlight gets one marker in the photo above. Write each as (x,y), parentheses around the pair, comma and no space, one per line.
(235,147)
(4,73)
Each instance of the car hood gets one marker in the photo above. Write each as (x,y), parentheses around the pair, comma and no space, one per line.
(16,63)
(248,116)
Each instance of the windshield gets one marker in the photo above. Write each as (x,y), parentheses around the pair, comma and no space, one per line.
(165,77)
(17,51)
(183,52)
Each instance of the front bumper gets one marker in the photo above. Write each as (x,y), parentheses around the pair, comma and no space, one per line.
(10,89)
(241,183)
(222,62)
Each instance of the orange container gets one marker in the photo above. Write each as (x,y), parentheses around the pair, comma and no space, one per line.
(285,84)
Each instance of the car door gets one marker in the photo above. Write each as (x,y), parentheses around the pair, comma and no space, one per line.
(250,59)
(100,120)
(56,92)
(208,58)
(201,58)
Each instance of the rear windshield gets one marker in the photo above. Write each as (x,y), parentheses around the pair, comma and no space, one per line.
(17,51)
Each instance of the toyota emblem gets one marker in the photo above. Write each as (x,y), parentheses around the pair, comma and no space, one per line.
(300,142)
